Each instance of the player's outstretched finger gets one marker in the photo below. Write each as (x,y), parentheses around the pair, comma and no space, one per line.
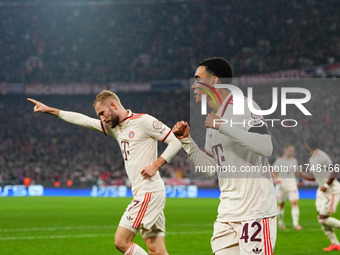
(32,100)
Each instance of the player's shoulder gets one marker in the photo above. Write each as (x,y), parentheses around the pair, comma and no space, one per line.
(247,100)
(231,102)
(146,120)
(289,159)
(143,118)
(323,154)
(320,153)
(136,120)
(253,118)
(294,159)
(136,116)
(247,112)
(279,160)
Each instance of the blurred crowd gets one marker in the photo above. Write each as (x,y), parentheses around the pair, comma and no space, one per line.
(142,40)
(47,150)
(134,41)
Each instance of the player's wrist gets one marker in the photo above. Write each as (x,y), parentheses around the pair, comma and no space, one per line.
(184,140)
(159,163)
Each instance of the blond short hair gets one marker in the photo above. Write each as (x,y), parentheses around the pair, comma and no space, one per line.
(104,95)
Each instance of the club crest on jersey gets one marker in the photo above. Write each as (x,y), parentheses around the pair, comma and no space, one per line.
(131,135)
(157,124)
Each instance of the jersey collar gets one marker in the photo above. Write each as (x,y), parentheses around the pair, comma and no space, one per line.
(225,103)
(123,121)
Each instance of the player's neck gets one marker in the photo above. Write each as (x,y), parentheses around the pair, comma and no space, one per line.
(123,114)
(223,96)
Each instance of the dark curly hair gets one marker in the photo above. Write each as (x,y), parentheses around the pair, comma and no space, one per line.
(218,66)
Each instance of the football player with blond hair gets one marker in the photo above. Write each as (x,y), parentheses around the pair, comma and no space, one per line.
(137,135)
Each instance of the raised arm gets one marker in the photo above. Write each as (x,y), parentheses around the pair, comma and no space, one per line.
(260,143)
(71,117)
(40,107)
(198,157)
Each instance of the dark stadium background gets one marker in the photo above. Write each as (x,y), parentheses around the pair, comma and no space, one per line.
(147,51)
(63,52)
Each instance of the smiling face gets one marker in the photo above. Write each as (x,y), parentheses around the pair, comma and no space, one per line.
(201,76)
(107,112)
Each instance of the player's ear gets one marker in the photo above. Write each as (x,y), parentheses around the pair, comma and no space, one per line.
(215,80)
(113,105)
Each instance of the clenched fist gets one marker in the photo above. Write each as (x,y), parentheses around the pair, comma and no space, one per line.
(181,129)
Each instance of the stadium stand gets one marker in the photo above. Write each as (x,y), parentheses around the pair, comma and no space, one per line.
(146,40)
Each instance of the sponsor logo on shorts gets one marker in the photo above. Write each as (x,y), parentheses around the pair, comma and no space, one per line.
(257,251)
(129,218)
